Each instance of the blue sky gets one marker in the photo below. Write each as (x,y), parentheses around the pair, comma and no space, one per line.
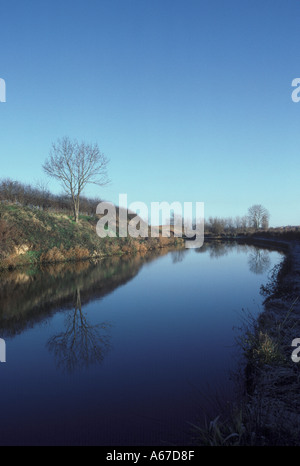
(190,99)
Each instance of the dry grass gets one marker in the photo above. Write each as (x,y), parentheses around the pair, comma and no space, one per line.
(56,255)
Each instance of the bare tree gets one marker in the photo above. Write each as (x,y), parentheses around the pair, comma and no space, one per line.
(216,225)
(75,165)
(258,216)
(244,223)
(177,222)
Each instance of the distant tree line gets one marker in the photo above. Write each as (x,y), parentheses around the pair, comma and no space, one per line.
(257,218)
(40,197)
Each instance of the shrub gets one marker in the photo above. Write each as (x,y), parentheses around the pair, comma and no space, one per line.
(81,253)
(53,255)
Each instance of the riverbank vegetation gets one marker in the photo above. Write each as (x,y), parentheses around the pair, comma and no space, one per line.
(30,235)
(37,226)
(266,411)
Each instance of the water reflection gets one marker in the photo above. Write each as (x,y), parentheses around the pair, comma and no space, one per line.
(82,381)
(178,256)
(259,261)
(28,297)
(80,344)
(258,257)
(32,296)
(219,248)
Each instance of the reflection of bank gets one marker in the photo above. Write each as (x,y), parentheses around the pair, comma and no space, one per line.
(81,344)
(178,256)
(2,350)
(28,298)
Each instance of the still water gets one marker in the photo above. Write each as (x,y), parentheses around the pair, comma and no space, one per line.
(128,351)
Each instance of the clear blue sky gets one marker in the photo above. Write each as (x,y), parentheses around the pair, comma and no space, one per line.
(190,99)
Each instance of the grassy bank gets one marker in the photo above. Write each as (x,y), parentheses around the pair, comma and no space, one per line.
(31,236)
(267,412)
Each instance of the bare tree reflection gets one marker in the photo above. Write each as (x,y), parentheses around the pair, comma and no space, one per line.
(219,249)
(259,261)
(216,249)
(178,256)
(82,344)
